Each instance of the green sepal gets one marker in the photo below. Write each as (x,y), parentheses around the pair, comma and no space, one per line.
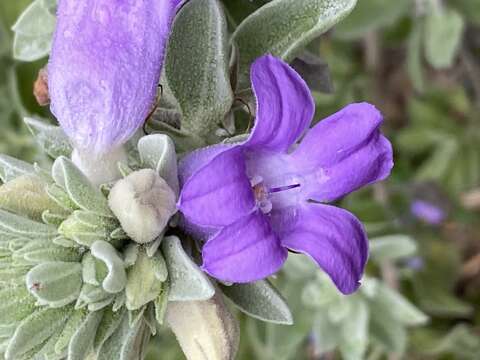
(187,281)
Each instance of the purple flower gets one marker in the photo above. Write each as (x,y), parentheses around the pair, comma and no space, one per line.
(427,212)
(105,66)
(257,199)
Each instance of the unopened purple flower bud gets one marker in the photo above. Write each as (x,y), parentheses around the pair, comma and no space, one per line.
(105,66)
(428,212)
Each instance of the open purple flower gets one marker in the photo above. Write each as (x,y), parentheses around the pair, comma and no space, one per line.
(105,66)
(257,199)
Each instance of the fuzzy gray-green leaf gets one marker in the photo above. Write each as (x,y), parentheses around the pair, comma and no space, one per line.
(143,285)
(158,152)
(82,340)
(283,27)
(52,139)
(187,281)
(55,284)
(21,226)
(11,168)
(81,191)
(197,65)
(260,300)
(36,329)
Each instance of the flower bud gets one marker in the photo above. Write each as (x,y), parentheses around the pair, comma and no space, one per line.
(206,330)
(143,203)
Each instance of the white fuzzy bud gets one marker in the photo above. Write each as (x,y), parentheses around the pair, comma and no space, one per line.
(143,203)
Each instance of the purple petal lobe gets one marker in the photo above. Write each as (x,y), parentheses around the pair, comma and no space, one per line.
(105,66)
(219,193)
(244,251)
(198,159)
(284,105)
(331,236)
(343,153)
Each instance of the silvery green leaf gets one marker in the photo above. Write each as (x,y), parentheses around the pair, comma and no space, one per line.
(398,307)
(161,303)
(143,286)
(55,284)
(21,226)
(93,270)
(155,245)
(387,332)
(53,219)
(26,196)
(61,197)
(47,351)
(79,188)
(91,294)
(187,281)
(35,20)
(35,330)
(119,301)
(31,48)
(50,5)
(158,152)
(14,275)
(443,36)
(283,27)
(215,335)
(355,331)
(392,247)
(11,168)
(134,316)
(197,66)
(99,305)
(16,303)
(52,139)
(62,241)
(260,300)
(116,279)
(71,326)
(126,343)
(86,228)
(110,322)
(82,340)
(33,32)
(150,321)
(49,253)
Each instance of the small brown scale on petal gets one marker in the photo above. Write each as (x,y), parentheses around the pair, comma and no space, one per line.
(40,87)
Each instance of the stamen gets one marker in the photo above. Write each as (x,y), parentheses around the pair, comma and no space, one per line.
(283,188)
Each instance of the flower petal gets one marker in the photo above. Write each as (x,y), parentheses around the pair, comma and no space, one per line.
(219,193)
(331,236)
(284,105)
(245,251)
(105,66)
(197,159)
(343,153)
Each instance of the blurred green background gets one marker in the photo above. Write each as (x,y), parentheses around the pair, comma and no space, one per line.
(419,62)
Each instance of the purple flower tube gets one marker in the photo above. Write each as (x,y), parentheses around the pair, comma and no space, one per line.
(255,200)
(104,68)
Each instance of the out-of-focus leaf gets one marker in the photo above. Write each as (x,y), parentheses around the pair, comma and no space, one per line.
(443,34)
(314,71)
(371,15)
(392,247)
